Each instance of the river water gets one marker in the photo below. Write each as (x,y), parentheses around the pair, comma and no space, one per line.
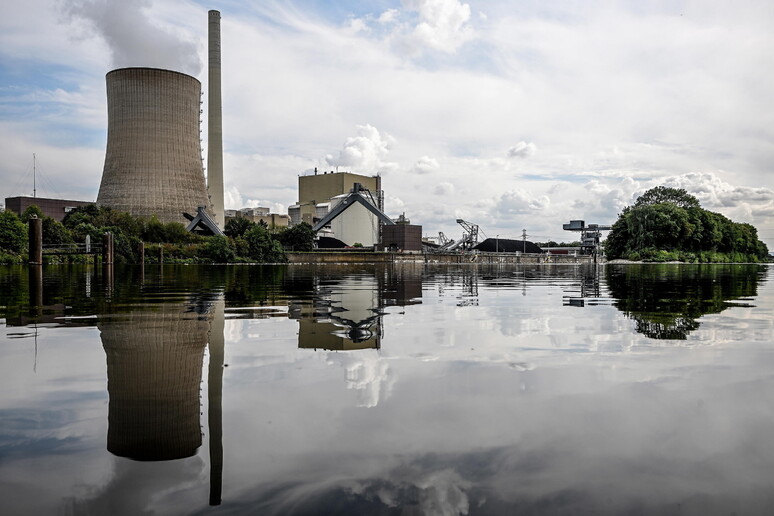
(406,390)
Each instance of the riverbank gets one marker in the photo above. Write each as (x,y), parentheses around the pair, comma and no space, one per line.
(318,257)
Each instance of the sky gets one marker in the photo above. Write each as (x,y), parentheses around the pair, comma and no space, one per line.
(513,115)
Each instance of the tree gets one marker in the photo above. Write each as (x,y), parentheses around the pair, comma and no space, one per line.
(663,194)
(237,227)
(262,247)
(81,214)
(30,211)
(661,226)
(220,249)
(298,237)
(13,233)
(54,232)
(668,223)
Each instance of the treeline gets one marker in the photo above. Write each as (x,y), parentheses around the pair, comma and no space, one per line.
(668,224)
(245,241)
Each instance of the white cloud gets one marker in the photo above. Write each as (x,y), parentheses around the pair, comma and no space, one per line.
(364,153)
(521,202)
(713,192)
(425,165)
(443,23)
(443,188)
(522,150)
(232,199)
(388,16)
(358,25)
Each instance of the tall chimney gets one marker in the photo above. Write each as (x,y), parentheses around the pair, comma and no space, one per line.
(215,122)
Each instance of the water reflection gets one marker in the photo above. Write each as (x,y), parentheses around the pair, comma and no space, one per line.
(154,369)
(345,313)
(154,372)
(389,390)
(666,301)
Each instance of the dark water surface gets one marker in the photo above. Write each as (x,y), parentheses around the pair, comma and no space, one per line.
(403,390)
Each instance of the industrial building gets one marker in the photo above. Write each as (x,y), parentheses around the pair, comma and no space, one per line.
(321,193)
(259,214)
(153,160)
(54,208)
(315,192)
(402,236)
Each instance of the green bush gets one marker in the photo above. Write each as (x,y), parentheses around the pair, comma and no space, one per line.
(298,237)
(237,227)
(54,232)
(261,247)
(219,249)
(13,233)
(9,258)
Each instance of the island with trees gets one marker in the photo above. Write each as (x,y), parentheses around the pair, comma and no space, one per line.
(669,224)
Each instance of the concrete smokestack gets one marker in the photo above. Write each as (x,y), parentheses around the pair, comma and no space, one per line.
(215,122)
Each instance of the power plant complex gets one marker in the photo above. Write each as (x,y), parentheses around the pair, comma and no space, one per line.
(154,168)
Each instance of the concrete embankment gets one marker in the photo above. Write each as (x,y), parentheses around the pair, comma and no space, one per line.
(386,257)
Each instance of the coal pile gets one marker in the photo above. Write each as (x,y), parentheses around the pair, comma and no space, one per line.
(330,243)
(504,245)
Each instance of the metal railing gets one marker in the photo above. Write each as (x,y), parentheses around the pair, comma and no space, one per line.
(78,248)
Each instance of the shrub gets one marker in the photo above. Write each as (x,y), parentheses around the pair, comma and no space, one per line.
(219,249)
(13,233)
(237,227)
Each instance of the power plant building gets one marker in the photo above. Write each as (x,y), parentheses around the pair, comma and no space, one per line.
(57,209)
(153,160)
(320,193)
(315,192)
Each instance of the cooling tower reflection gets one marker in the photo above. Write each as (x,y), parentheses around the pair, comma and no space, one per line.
(154,366)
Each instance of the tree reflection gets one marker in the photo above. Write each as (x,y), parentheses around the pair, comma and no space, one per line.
(667,300)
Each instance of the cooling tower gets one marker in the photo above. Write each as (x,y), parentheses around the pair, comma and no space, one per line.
(153,163)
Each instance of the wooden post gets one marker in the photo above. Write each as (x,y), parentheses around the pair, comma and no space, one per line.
(107,249)
(142,262)
(36,240)
(161,254)
(36,287)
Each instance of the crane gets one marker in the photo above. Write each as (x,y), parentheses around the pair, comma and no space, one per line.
(468,241)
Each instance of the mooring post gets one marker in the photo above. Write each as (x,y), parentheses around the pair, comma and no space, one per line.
(36,240)
(161,254)
(142,262)
(107,248)
(36,287)
(107,263)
